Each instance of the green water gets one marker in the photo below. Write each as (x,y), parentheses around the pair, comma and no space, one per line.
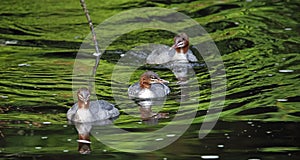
(258,41)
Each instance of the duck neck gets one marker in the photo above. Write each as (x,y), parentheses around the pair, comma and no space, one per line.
(182,50)
(82,105)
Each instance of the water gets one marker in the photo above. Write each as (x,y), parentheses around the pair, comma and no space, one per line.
(259,44)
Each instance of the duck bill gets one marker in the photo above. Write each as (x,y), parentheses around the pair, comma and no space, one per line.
(162,81)
(85,102)
(178,44)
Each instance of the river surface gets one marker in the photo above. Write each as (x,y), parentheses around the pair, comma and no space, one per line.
(259,44)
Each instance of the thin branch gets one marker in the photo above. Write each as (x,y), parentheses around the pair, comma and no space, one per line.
(97,54)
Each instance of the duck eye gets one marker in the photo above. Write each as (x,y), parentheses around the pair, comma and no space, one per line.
(152,77)
(80,97)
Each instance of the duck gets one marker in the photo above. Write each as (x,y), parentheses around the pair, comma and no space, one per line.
(90,111)
(150,85)
(178,52)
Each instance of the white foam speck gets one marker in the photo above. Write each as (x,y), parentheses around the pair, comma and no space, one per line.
(210,157)
(282,100)
(159,139)
(286,71)
(4,97)
(170,135)
(23,65)
(220,146)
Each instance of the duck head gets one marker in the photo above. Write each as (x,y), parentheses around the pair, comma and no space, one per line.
(149,78)
(181,43)
(83,95)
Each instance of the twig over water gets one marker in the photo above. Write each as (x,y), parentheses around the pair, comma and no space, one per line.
(97,54)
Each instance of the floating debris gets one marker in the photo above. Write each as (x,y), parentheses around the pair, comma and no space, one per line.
(76,37)
(38,148)
(139,122)
(254,159)
(220,145)
(122,55)
(21,132)
(170,135)
(96,54)
(65,151)
(288,29)
(44,137)
(69,140)
(286,71)
(23,65)
(104,150)
(11,42)
(165,158)
(282,100)
(159,139)
(248,0)
(210,157)
(236,23)
(65,126)
(4,97)
(268,132)
(46,123)
(270,75)
(84,141)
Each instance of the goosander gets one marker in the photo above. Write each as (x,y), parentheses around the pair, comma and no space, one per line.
(178,52)
(149,86)
(90,111)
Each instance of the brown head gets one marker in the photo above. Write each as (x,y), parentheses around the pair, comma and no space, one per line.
(149,78)
(83,95)
(181,43)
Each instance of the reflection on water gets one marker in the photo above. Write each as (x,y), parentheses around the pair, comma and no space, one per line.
(247,139)
(84,130)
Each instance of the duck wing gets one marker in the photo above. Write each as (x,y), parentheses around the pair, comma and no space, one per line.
(191,57)
(133,90)
(71,112)
(102,110)
(160,54)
